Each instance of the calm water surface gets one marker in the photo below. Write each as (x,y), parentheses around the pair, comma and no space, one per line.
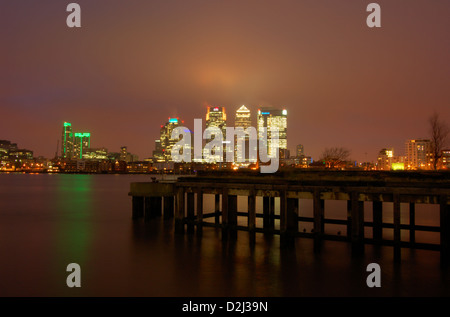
(49,221)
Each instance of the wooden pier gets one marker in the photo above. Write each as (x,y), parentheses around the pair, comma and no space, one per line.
(183,201)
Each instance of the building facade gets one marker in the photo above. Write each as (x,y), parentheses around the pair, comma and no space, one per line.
(243,120)
(67,141)
(216,117)
(82,142)
(418,154)
(273,118)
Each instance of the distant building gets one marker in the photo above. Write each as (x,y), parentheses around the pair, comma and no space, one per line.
(273,118)
(300,152)
(96,154)
(242,120)
(385,159)
(445,159)
(163,148)
(127,156)
(158,154)
(82,142)
(418,154)
(6,147)
(67,141)
(216,118)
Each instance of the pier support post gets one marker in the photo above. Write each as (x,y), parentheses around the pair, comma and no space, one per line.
(377,214)
(319,209)
(137,207)
(217,209)
(190,212)
(349,219)
(397,233)
(199,211)
(357,215)
(412,224)
(288,220)
(266,207)
(168,207)
(179,212)
(232,216)
(225,214)
(444,215)
(252,217)
(268,214)
(148,212)
(272,213)
(157,206)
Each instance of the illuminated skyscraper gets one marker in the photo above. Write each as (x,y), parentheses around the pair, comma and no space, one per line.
(67,149)
(216,117)
(82,142)
(242,120)
(273,118)
(163,148)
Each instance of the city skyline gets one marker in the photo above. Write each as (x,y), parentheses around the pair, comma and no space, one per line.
(342,83)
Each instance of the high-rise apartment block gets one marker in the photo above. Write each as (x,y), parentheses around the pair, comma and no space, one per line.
(418,154)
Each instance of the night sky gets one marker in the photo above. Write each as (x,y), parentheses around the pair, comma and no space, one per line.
(134,63)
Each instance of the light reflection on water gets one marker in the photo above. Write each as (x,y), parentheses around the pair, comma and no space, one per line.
(49,221)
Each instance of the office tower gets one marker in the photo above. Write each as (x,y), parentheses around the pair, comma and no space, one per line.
(385,159)
(216,117)
(300,151)
(271,118)
(82,142)
(418,154)
(158,154)
(242,120)
(163,148)
(67,146)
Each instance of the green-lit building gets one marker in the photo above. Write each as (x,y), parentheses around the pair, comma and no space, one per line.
(82,142)
(67,149)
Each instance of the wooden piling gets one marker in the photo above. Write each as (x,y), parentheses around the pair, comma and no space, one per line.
(168,207)
(397,232)
(137,207)
(199,211)
(179,210)
(412,224)
(444,215)
(377,216)
(252,217)
(357,215)
(225,214)
(190,212)
(217,209)
(232,216)
(319,206)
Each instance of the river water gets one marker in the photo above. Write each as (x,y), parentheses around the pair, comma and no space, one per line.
(49,221)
